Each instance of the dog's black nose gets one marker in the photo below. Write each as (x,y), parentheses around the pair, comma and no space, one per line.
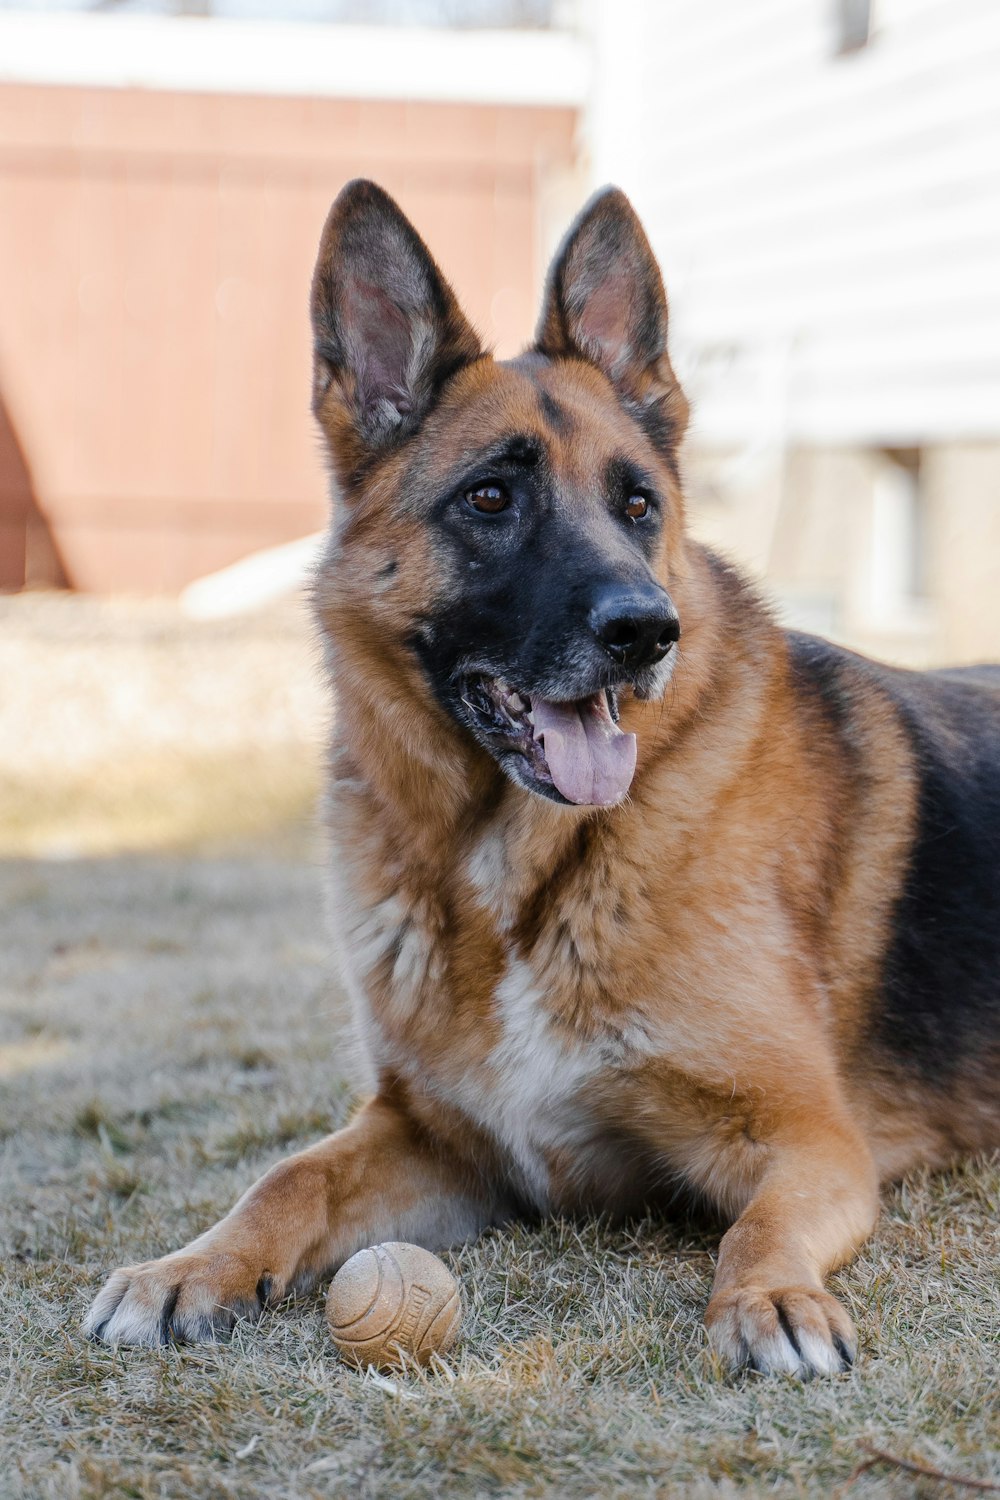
(637,627)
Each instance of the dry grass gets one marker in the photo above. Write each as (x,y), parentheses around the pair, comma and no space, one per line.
(124,726)
(168,1027)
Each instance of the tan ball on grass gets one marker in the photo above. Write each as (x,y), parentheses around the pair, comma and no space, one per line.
(393,1300)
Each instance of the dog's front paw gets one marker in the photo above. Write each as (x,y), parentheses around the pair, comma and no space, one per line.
(188,1296)
(796,1330)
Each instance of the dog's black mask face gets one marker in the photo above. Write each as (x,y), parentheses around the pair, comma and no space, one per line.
(540,496)
(548,537)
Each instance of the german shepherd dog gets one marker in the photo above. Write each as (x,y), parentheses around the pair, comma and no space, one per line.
(636,892)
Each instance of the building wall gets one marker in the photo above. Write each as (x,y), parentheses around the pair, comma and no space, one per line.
(831,544)
(964,489)
(156,248)
(828,223)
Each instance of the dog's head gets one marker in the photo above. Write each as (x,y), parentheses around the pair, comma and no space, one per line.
(506,532)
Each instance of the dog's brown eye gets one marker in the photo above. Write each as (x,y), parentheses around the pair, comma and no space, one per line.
(488,498)
(637,508)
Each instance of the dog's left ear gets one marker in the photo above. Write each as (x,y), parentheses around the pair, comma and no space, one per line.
(604,302)
(388,330)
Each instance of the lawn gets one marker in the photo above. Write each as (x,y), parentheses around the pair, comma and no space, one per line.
(170,1025)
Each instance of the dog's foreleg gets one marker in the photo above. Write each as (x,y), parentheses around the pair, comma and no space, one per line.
(377,1179)
(814,1204)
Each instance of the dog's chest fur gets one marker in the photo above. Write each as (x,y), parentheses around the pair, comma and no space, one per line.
(516,1047)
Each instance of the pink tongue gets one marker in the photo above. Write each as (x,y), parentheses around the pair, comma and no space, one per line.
(589,758)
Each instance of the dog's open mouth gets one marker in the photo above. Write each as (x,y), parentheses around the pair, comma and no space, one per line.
(576,747)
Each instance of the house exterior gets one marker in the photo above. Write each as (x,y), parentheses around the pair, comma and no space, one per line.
(821,179)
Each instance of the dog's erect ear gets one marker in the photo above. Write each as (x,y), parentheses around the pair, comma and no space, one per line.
(604,302)
(387,328)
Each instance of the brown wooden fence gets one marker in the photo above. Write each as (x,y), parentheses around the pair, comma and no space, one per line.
(155,256)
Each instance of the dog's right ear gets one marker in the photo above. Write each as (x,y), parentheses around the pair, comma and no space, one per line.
(387,328)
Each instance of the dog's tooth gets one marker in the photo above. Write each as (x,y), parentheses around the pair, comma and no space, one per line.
(517,703)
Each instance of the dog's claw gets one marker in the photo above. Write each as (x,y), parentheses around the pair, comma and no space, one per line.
(183,1298)
(798,1331)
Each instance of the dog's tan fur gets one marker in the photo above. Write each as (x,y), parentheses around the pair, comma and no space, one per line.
(568,1009)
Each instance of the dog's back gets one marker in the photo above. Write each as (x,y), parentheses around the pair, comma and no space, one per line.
(934,1022)
(941,994)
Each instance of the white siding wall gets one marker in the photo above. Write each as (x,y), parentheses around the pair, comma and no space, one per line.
(829,226)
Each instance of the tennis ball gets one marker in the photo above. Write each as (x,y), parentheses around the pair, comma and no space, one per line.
(392,1298)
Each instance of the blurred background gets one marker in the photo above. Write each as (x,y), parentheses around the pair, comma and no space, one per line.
(821,181)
